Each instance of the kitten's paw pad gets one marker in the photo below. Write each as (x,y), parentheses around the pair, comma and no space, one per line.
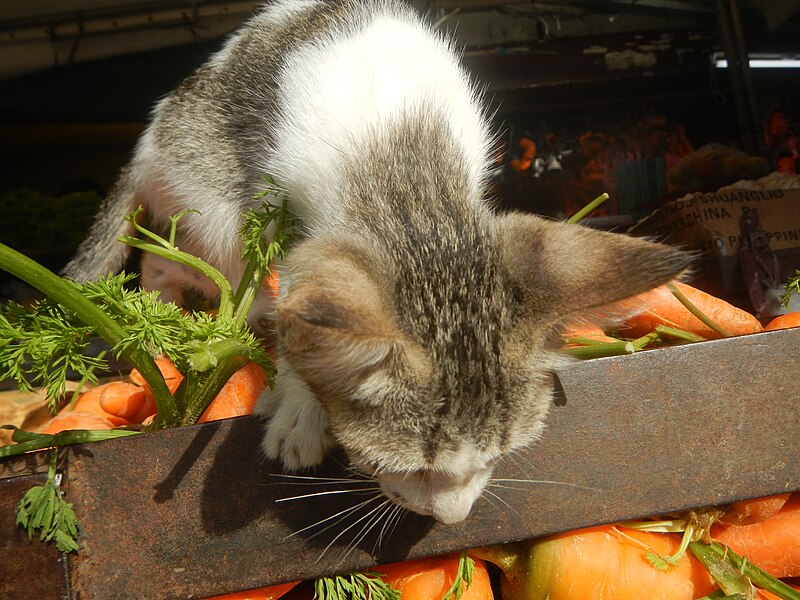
(298,438)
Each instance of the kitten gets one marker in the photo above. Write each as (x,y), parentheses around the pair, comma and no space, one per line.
(412,321)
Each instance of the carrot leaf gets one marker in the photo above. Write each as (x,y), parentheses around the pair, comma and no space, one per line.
(790,288)
(44,509)
(354,586)
(462,579)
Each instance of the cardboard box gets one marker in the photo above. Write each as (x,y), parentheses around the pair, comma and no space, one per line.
(711,224)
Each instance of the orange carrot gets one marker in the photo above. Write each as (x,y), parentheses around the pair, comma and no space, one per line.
(746,512)
(121,399)
(660,307)
(431,578)
(118,401)
(602,563)
(238,396)
(271,592)
(772,544)
(586,331)
(76,419)
(272,283)
(172,376)
(786,321)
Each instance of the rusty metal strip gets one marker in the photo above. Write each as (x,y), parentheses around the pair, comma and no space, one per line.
(191,512)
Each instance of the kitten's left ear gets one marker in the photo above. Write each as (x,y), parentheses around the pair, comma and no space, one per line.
(563,269)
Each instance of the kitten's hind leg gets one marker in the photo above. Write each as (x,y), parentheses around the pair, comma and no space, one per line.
(297,432)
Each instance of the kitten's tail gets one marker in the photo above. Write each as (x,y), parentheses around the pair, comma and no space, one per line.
(101,253)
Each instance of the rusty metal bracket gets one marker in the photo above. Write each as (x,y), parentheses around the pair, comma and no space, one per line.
(192,512)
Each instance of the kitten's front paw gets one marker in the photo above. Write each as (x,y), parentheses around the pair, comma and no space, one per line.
(297,434)
(297,428)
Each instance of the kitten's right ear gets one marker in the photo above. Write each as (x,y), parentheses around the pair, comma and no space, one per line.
(562,269)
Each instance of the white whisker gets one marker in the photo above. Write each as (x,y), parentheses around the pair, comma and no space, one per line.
(511,508)
(388,526)
(349,527)
(368,526)
(328,493)
(315,480)
(493,481)
(342,514)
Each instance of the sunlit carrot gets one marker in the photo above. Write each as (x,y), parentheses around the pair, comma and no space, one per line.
(660,307)
(584,330)
(76,419)
(746,512)
(121,399)
(785,321)
(172,376)
(238,396)
(432,578)
(601,563)
(772,544)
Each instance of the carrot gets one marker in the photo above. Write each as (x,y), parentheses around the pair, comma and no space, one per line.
(772,544)
(746,512)
(602,563)
(272,283)
(271,592)
(786,321)
(659,306)
(118,401)
(122,399)
(431,578)
(172,376)
(76,419)
(529,151)
(584,331)
(238,396)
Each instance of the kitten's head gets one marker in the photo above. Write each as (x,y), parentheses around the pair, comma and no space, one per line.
(432,367)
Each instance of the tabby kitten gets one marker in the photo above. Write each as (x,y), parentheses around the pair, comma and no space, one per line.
(412,320)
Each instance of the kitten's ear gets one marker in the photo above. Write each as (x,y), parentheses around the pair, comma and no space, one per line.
(563,269)
(334,317)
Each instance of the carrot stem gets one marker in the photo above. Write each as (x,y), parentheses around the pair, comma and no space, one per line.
(680,334)
(600,349)
(184,258)
(28,441)
(588,208)
(696,311)
(758,576)
(201,397)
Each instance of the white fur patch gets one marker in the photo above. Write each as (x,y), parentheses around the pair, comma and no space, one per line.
(338,92)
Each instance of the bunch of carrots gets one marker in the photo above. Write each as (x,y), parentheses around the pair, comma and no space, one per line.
(627,561)
(130,402)
(671,313)
(624,561)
